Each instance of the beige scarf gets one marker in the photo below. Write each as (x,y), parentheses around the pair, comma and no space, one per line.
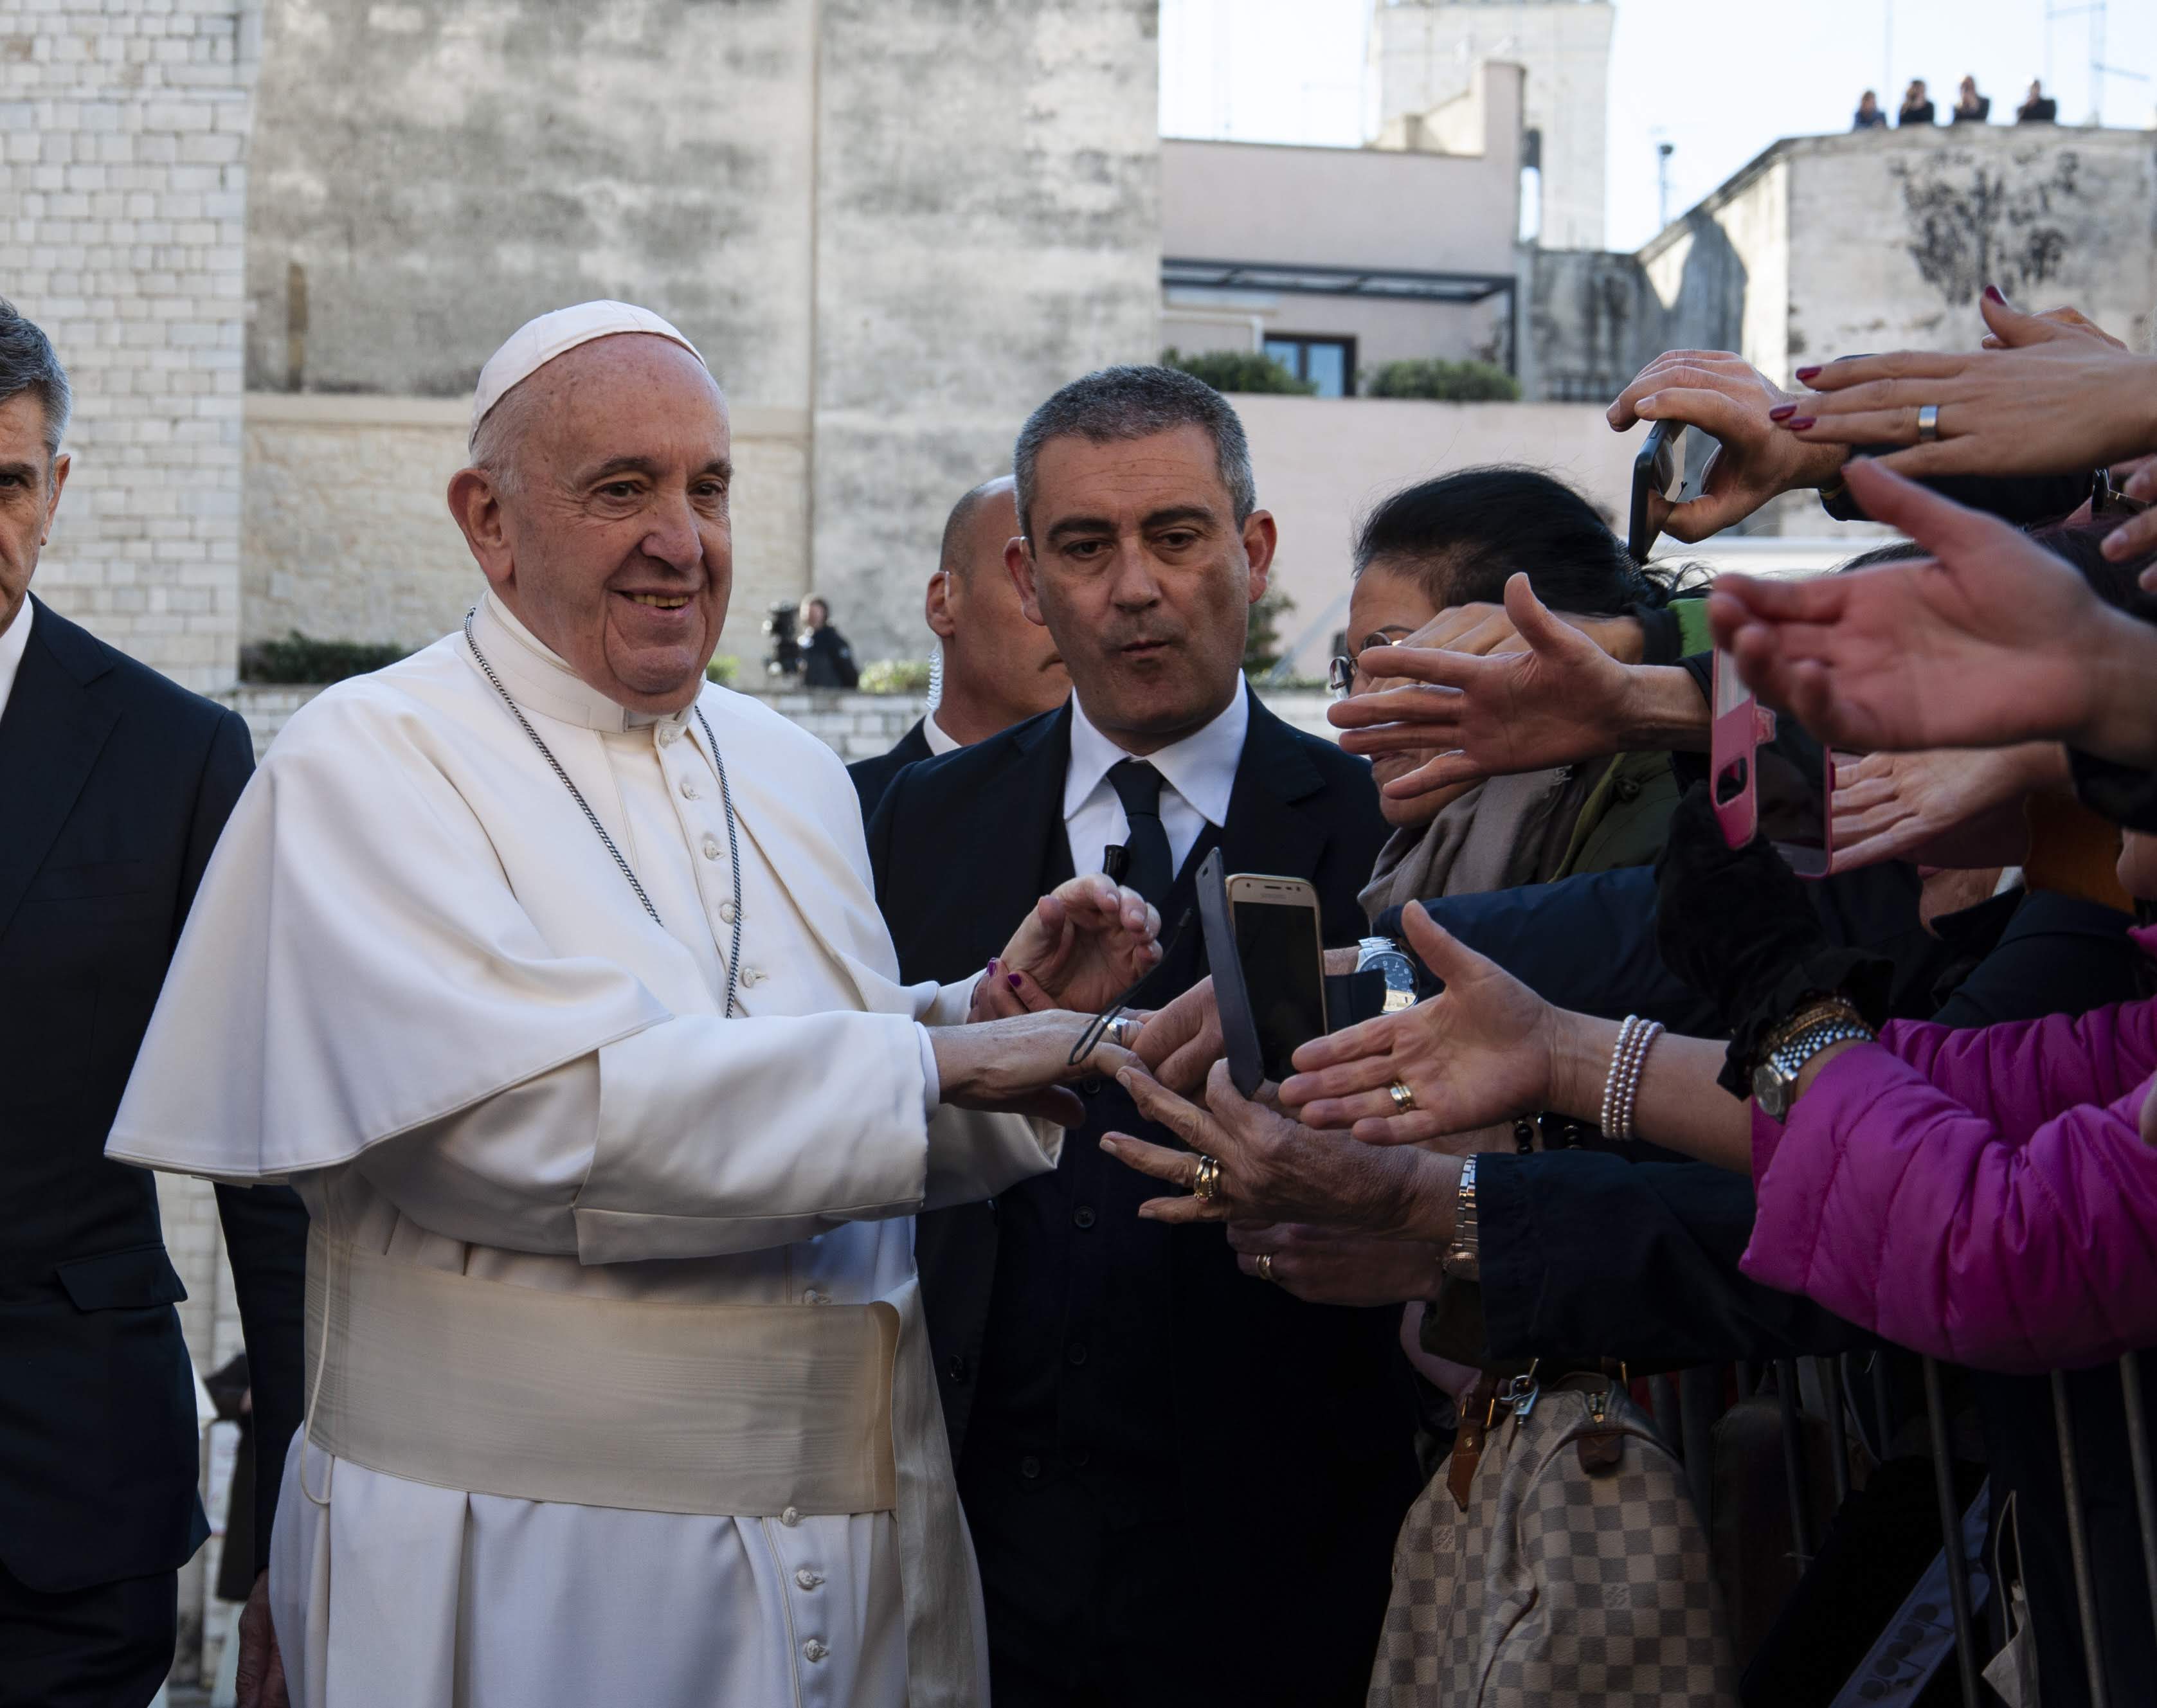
(1504,831)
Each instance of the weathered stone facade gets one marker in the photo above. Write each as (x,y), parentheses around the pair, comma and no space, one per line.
(884,298)
(123,133)
(1878,240)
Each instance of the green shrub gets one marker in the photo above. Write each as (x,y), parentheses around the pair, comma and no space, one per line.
(301,658)
(1262,640)
(1447,382)
(896,676)
(1237,371)
(723,669)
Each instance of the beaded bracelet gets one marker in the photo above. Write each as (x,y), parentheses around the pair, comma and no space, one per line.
(1621,1089)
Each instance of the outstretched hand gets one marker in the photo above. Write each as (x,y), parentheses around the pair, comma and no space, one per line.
(1493,714)
(1479,1051)
(1992,642)
(1271,1168)
(1950,807)
(1085,942)
(1022,1065)
(2057,398)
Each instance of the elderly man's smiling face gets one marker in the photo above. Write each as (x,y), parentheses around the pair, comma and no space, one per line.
(599,509)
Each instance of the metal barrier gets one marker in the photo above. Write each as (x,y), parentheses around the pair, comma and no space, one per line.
(1686,1407)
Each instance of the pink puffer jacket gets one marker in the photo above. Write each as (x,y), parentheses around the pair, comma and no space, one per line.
(1982,1194)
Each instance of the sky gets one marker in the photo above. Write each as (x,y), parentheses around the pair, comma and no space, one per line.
(1718,79)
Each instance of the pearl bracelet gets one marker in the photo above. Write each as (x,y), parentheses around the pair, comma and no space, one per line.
(1621,1089)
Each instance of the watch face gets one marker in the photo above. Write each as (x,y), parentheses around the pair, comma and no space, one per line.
(1771,1091)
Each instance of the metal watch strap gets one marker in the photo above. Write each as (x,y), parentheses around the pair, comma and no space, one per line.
(1463,1252)
(1791,1057)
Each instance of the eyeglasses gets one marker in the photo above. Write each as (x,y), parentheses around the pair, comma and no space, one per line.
(1341,671)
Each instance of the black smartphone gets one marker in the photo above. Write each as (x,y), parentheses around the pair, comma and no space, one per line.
(1659,470)
(1279,946)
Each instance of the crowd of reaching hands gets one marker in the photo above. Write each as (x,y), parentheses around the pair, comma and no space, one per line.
(1981,1193)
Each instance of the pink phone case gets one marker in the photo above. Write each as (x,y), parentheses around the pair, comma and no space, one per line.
(1740,724)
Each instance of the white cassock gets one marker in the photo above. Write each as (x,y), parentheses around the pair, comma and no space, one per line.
(416,983)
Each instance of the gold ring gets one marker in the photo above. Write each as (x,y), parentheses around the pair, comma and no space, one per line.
(1205,1184)
(1404,1098)
(1266,1266)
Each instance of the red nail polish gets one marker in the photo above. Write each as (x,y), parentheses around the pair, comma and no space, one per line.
(1807,372)
(1799,425)
(1782,412)
(1992,295)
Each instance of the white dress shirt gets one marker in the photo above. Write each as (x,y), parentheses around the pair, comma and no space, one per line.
(1197,773)
(932,732)
(13,639)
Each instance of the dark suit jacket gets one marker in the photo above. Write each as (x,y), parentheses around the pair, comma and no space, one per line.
(1302,1410)
(114,786)
(872,777)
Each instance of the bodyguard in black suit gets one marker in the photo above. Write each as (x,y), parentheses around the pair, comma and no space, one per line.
(999,669)
(114,785)
(1183,1483)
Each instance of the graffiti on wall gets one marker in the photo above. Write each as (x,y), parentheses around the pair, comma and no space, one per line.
(1971,227)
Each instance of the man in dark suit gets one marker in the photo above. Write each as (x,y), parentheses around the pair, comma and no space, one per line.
(115,785)
(999,669)
(1183,1483)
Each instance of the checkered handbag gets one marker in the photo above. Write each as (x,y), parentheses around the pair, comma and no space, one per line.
(1566,1565)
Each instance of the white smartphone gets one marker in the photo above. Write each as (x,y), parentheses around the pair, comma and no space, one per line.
(1278,941)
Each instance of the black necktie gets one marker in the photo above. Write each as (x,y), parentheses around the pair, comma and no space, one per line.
(1150,871)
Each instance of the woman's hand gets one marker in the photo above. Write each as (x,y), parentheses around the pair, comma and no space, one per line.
(1325,1266)
(1562,700)
(1734,403)
(1479,1051)
(1022,1065)
(1958,807)
(1996,641)
(1270,1169)
(2138,534)
(1084,946)
(2056,400)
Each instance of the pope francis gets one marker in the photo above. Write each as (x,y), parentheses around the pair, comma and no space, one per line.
(552,978)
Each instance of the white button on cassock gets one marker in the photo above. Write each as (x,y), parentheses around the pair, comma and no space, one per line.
(749,976)
(790,1517)
(726,912)
(669,733)
(817,1296)
(806,1579)
(711,848)
(814,1650)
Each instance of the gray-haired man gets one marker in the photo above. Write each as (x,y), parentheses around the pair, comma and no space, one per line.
(114,786)
(1183,1484)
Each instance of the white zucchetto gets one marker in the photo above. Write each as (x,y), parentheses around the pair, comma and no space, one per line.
(538,341)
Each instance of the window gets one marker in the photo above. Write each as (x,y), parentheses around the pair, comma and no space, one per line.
(1329,362)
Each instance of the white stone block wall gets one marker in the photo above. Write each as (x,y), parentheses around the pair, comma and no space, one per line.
(123,136)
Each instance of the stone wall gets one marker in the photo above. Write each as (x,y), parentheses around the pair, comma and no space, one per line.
(1878,240)
(123,131)
(889,297)
(966,268)
(347,534)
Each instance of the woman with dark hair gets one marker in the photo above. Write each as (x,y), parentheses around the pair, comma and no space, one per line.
(1431,564)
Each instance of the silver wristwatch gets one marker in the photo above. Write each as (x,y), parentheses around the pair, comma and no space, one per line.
(1775,1080)
(1463,1252)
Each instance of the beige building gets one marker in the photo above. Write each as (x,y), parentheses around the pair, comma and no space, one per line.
(1424,54)
(1337,260)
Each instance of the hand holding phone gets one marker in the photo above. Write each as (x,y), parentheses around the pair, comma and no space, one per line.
(1278,942)
(1658,473)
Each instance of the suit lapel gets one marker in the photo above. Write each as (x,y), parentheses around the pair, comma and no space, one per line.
(1267,830)
(50,737)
